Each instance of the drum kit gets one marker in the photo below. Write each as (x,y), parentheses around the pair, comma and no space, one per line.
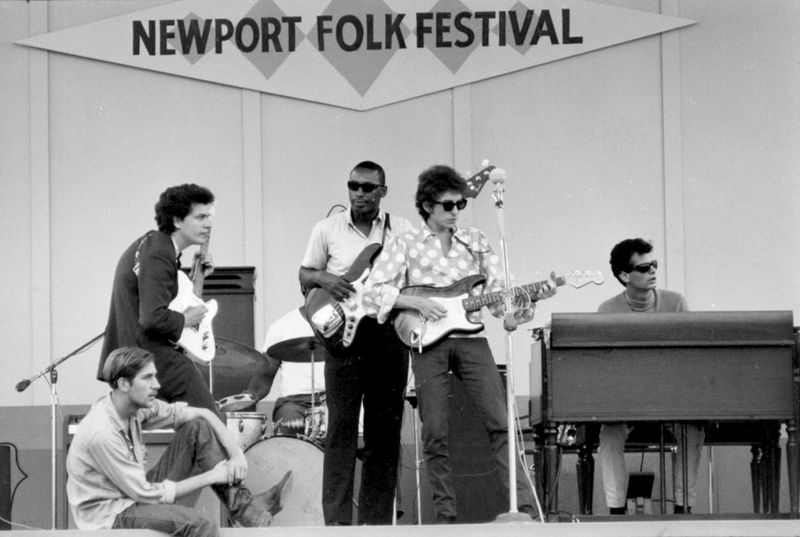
(294,458)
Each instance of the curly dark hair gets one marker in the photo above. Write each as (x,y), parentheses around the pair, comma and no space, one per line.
(622,252)
(434,182)
(177,201)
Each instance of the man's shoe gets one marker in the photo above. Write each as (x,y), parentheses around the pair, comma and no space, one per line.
(618,510)
(251,511)
(272,498)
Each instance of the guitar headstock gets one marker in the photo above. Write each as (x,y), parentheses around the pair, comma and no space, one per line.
(580,278)
(477,181)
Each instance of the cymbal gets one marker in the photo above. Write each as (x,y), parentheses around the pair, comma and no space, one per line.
(298,349)
(234,366)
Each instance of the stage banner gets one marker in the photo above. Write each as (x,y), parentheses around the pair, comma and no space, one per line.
(354,54)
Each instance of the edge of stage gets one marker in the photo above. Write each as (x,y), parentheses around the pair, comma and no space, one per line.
(645,528)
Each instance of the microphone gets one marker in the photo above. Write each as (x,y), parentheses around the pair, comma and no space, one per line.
(22,385)
(498,176)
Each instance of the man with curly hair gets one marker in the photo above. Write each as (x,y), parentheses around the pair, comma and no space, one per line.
(440,254)
(146,282)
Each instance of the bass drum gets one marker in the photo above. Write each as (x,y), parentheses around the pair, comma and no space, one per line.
(270,460)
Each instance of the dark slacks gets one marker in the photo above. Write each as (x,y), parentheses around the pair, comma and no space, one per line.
(181,380)
(471,360)
(375,372)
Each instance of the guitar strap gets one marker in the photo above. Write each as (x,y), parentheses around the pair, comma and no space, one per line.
(386,226)
(139,251)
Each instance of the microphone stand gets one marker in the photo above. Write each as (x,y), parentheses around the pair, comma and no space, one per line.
(498,177)
(22,385)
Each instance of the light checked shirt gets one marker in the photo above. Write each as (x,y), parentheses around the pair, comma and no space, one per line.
(106,462)
(335,242)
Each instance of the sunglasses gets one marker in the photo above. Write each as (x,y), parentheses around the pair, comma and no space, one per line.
(366,188)
(449,204)
(644,268)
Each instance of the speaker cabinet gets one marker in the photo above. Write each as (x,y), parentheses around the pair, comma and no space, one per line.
(234,290)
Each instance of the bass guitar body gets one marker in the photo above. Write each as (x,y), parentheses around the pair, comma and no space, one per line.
(335,323)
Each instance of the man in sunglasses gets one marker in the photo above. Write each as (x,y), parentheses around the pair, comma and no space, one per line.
(634,265)
(373,370)
(440,254)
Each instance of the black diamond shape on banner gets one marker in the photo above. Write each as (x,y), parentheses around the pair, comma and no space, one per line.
(454,57)
(269,62)
(359,67)
(193,26)
(520,12)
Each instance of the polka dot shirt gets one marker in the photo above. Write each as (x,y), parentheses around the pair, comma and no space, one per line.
(417,258)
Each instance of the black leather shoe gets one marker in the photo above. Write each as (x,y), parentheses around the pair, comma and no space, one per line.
(256,511)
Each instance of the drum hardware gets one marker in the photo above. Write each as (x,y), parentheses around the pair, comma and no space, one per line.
(302,350)
(247,428)
(236,403)
(316,422)
(411,397)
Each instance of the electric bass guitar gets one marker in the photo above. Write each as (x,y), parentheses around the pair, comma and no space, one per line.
(457,299)
(335,323)
(197,341)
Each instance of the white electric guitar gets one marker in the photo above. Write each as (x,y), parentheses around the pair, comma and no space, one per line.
(459,301)
(197,341)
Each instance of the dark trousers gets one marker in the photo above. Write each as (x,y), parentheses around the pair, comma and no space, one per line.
(181,380)
(194,449)
(471,360)
(375,372)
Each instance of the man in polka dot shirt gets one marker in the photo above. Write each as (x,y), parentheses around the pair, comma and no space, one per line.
(440,254)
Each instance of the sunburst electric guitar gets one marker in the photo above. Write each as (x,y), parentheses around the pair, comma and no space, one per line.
(334,322)
(459,301)
(197,341)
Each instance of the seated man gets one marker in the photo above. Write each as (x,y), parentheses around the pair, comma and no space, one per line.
(108,487)
(634,266)
(298,379)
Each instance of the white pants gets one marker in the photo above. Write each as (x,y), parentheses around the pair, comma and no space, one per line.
(611,451)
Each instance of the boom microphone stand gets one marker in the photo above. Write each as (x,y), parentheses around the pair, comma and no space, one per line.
(498,177)
(22,385)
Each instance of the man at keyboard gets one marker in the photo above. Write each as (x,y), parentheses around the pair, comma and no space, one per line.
(634,265)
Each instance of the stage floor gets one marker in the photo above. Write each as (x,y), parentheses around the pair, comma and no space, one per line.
(644,528)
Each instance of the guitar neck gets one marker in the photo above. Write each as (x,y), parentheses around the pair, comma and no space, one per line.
(198,275)
(474,303)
